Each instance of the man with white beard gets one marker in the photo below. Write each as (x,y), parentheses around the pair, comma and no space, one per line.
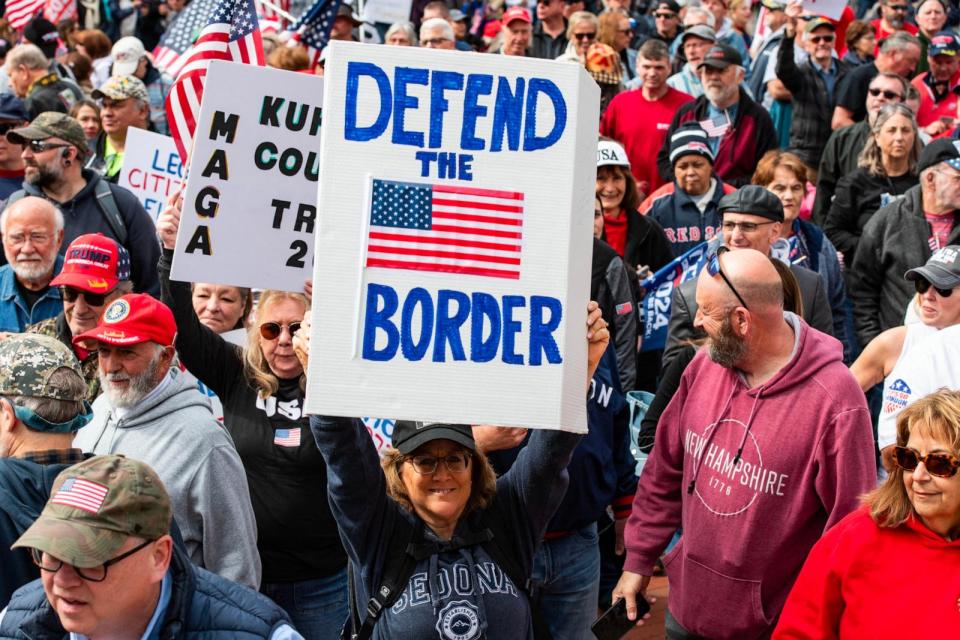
(150,412)
(32,231)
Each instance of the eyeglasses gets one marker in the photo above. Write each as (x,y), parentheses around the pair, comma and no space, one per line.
(272,330)
(898,7)
(36,237)
(922,286)
(39,146)
(746,227)
(427,465)
(714,268)
(433,42)
(664,15)
(69,294)
(889,95)
(942,465)
(818,39)
(46,562)
(585,36)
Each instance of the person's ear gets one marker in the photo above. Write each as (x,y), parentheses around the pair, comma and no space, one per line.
(160,557)
(8,418)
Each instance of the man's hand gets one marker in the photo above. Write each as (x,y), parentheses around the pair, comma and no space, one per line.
(169,221)
(490,438)
(629,587)
(598,337)
(794,10)
(301,341)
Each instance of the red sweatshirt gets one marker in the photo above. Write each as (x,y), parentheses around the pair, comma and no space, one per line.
(748,524)
(864,581)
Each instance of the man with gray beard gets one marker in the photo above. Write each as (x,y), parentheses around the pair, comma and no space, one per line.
(32,231)
(150,412)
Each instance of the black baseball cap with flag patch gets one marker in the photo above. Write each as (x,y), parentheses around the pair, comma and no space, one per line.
(942,150)
(721,56)
(410,435)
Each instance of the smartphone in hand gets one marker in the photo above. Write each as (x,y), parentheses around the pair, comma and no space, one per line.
(613,624)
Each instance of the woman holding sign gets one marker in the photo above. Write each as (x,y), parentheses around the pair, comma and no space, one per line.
(261,388)
(439,546)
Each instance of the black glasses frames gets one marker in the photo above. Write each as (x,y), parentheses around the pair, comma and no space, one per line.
(714,268)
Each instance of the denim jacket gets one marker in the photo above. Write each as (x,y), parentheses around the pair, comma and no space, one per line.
(14,314)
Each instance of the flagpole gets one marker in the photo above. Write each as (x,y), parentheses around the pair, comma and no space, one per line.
(283,14)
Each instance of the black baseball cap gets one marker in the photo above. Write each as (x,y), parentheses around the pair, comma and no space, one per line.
(752,200)
(42,33)
(410,435)
(942,270)
(942,150)
(721,56)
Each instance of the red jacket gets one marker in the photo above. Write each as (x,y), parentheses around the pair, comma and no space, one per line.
(864,581)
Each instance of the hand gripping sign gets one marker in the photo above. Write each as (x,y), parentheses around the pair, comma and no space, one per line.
(454,245)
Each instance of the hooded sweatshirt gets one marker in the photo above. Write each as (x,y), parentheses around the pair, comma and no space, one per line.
(853,584)
(749,521)
(174,431)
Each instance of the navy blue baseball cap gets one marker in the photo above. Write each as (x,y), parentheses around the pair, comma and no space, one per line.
(12,108)
(943,44)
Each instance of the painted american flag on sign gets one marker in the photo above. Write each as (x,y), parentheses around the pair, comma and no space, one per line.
(81,494)
(287,437)
(445,228)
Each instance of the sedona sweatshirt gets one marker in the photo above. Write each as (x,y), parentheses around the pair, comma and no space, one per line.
(754,477)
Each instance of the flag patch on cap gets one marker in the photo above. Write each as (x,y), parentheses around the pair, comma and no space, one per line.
(624,308)
(287,437)
(81,494)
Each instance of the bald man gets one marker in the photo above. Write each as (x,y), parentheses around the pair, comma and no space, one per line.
(766,444)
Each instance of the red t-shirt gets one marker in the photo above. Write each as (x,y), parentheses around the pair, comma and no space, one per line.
(930,110)
(883,34)
(641,125)
(615,231)
(940,227)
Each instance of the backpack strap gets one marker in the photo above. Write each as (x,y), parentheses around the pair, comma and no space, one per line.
(110,210)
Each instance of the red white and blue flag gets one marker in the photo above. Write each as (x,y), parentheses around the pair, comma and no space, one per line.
(717,126)
(312,29)
(19,12)
(447,228)
(287,437)
(232,33)
(81,494)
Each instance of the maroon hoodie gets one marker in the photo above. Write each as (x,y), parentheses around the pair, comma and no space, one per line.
(806,455)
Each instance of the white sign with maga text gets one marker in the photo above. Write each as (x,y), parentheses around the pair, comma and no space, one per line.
(250,206)
(151,169)
(454,245)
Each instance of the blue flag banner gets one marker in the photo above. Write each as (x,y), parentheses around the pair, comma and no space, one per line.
(659,288)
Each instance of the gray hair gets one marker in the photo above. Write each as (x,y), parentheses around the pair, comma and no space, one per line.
(33,201)
(437,23)
(700,11)
(581,16)
(406,28)
(28,55)
(871,158)
(65,381)
(899,41)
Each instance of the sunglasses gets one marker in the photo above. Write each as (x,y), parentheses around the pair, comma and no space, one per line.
(585,36)
(889,95)
(714,268)
(39,146)
(942,465)
(69,294)
(272,330)
(923,286)
(818,39)
(898,7)
(664,15)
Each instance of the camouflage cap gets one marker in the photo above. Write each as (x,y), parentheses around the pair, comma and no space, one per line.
(95,506)
(121,88)
(50,124)
(27,360)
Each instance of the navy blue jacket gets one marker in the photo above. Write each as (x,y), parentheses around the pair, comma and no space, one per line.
(682,222)
(601,470)
(202,605)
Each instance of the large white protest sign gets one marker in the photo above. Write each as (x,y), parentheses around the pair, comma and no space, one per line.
(151,169)
(454,244)
(387,11)
(832,9)
(249,208)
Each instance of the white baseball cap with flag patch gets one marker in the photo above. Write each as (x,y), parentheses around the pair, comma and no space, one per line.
(611,153)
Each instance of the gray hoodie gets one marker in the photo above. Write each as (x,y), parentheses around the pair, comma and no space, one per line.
(174,431)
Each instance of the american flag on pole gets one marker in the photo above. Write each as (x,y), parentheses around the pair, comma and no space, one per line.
(58,10)
(232,33)
(287,437)
(270,19)
(445,228)
(81,494)
(312,29)
(19,12)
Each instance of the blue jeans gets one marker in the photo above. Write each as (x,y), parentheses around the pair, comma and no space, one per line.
(566,577)
(318,608)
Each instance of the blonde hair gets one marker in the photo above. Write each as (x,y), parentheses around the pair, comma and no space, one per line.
(255,367)
(939,414)
(482,489)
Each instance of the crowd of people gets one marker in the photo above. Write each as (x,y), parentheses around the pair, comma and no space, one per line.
(795,176)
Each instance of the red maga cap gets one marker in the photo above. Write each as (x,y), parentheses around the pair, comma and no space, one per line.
(516,13)
(95,263)
(132,319)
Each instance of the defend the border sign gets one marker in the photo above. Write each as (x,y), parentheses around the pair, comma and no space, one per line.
(454,245)
(250,206)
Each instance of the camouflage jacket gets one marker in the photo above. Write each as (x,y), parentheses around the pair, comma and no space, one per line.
(58,328)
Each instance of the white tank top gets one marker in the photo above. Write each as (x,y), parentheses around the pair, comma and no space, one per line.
(916,332)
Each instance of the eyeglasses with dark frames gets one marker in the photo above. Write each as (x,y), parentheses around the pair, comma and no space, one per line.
(922,286)
(48,563)
(426,465)
(714,268)
(39,146)
(272,330)
(942,465)
(69,294)
(889,95)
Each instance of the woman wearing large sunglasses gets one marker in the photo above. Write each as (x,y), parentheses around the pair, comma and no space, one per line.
(261,387)
(892,569)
